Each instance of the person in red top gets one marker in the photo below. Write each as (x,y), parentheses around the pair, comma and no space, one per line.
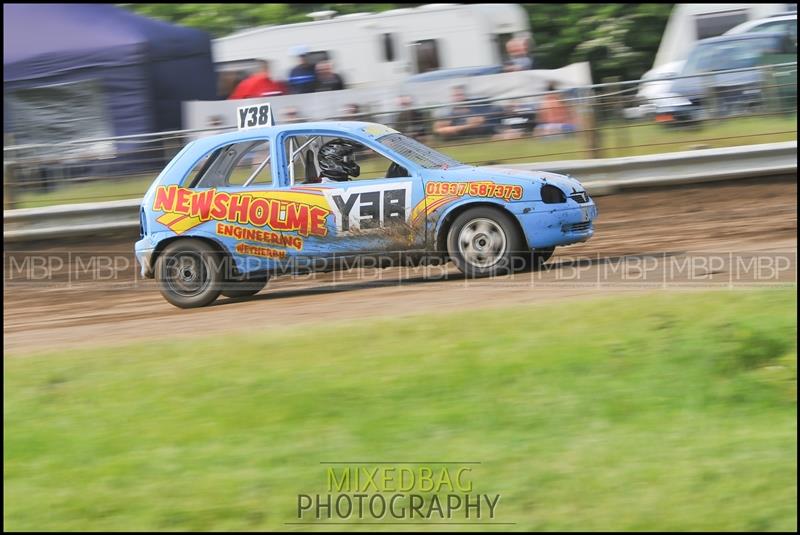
(258,84)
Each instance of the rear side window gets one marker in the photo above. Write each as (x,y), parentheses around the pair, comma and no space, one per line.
(734,54)
(242,164)
(788,27)
(774,26)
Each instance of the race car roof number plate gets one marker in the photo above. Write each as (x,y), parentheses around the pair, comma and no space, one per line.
(253,116)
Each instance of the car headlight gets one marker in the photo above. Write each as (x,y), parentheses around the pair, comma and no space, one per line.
(552,195)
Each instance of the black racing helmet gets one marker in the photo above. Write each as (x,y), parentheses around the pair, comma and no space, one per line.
(336,160)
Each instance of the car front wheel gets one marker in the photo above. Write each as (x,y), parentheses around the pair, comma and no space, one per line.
(484,241)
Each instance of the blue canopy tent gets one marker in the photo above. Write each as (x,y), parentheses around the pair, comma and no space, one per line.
(77,71)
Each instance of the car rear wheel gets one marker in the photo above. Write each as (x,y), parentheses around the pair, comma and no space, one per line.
(484,241)
(189,273)
(244,288)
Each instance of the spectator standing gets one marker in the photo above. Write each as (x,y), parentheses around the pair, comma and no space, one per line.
(259,84)
(302,77)
(327,80)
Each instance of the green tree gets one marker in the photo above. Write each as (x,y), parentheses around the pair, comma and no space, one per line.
(223,19)
(617,39)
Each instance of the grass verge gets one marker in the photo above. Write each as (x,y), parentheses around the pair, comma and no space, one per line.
(656,412)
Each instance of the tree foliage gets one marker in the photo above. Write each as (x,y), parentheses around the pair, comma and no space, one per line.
(619,40)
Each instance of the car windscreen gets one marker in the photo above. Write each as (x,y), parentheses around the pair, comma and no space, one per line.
(417,152)
(734,54)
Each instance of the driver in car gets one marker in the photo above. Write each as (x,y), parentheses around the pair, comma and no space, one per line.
(337,162)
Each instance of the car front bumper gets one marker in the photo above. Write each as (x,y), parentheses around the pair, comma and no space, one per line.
(548,227)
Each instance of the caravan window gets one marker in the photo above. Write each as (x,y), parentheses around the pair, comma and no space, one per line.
(317,56)
(427,55)
(714,24)
(388,47)
(230,73)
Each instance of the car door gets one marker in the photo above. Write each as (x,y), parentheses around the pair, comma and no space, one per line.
(257,222)
(377,212)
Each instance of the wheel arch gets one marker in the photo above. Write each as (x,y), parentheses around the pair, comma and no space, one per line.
(446,220)
(162,244)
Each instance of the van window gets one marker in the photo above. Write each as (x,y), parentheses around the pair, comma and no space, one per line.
(427,52)
(714,24)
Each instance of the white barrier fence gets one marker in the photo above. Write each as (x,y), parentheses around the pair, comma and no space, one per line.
(600,176)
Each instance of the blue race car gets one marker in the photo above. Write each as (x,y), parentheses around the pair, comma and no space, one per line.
(231,209)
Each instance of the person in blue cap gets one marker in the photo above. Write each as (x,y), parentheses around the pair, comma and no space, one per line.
(302,77)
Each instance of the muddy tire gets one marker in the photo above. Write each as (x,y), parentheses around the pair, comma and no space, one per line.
(484,241)
(189,273)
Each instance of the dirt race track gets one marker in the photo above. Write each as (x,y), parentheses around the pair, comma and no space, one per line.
(737,234)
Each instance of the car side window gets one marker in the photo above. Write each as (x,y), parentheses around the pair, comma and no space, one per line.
(782,26)
(305,168)
(241,164)
(776,26)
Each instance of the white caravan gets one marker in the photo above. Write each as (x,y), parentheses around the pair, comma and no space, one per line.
(373,49)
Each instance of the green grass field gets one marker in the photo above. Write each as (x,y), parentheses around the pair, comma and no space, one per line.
(646,138)
(655,412)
